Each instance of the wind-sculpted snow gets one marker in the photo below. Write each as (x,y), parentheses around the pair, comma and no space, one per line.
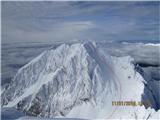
(75,80)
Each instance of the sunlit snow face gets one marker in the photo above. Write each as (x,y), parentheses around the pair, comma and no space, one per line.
(16,55)
(72,21)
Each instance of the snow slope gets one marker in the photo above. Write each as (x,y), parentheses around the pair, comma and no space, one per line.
(75,81)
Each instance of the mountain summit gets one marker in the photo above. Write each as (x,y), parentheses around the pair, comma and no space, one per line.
(75,80)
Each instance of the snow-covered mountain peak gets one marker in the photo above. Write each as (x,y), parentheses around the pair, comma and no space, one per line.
(61,81)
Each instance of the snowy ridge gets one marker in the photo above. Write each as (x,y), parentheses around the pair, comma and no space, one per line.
(77,81)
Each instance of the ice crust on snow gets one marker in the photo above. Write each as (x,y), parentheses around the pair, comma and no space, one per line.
(77,81)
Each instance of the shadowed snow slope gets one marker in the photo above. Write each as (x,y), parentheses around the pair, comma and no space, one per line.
(75,81)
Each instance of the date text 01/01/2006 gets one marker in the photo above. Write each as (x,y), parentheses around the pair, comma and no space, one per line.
(130,103)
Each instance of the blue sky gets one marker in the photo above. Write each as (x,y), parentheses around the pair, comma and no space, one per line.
(80,21)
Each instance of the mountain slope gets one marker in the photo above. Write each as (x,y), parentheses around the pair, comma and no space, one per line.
(66,80)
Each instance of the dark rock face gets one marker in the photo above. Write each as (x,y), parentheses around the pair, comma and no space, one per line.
(151,74)
(10,114)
